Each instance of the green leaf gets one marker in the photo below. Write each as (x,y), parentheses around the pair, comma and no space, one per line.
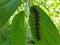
(7,8)
(17,32)
(48,33)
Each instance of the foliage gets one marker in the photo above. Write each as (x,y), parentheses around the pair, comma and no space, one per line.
(13,14)
(48,32)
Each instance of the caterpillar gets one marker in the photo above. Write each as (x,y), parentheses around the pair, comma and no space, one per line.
(35,12)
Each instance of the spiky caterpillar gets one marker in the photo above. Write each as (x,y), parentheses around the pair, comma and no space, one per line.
(36,17)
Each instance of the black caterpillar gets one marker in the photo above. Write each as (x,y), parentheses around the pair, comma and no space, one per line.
(36,17)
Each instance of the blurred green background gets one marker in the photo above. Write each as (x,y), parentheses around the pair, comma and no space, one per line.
(51,7)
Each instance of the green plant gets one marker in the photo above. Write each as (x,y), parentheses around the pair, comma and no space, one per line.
(48,32)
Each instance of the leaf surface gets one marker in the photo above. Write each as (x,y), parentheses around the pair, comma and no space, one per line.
(7,8)
(17,32)
(48,32)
